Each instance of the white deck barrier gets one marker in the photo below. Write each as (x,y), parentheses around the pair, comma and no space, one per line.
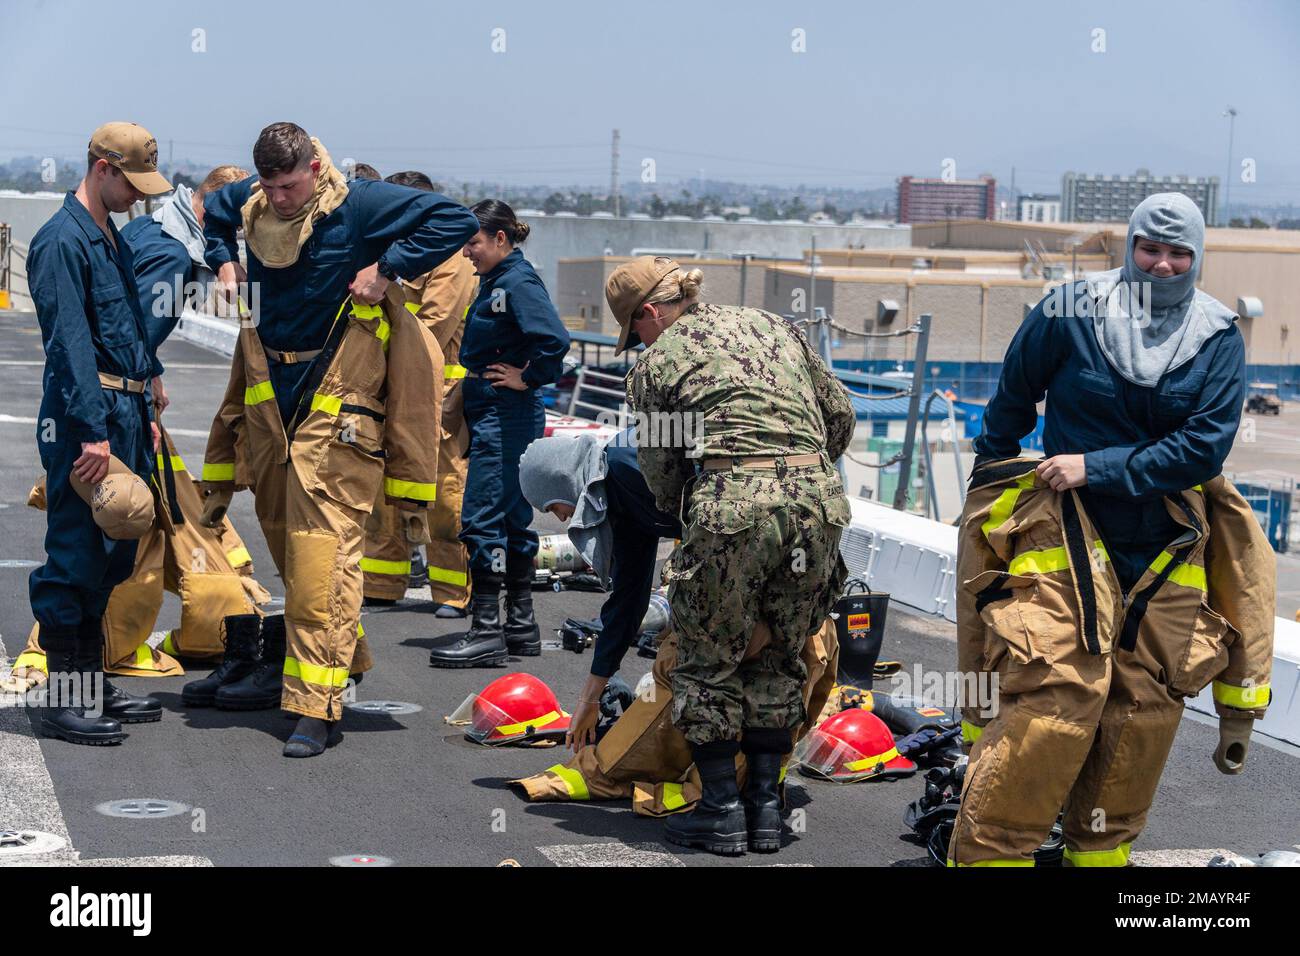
(912,558)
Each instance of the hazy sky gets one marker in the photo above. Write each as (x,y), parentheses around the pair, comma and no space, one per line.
(883,89)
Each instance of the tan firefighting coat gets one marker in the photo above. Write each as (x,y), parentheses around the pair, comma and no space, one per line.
(645,757)
(440,299)
(1215,584)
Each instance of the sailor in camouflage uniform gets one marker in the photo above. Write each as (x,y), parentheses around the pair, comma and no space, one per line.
(739,425)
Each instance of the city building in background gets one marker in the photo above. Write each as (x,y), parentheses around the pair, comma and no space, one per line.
(1100,198)
(1035,208)
(933,200)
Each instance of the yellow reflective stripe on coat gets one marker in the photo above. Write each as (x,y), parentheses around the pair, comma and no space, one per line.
(1242,698)
(218,472)
(993,863)
(315,673)
(413,308)
(448,576)
(1115,857)
(1048,560)
(238,556)
(1006,504)
(169,643)
(34,659)
(573,782)
(415,490)
(1186,575)
(509,730)
(144,657)
(971,732)
(177,464)
(379,566)
(330,404)
(361,631)
(363,311)
(867,763)
(453,371)
(259,393)
(673,796)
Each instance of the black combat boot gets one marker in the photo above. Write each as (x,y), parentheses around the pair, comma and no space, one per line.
(484,645)
(764,750)
(523,638)
(242,634)
(69,691)
(717,823)
(117,703)
(262,687)
(419,570)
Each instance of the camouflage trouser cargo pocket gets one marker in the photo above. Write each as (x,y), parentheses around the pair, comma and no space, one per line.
(781,567)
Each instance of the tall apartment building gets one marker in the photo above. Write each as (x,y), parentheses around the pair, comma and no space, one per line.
(1097,198)
(1035,208)
(933,200)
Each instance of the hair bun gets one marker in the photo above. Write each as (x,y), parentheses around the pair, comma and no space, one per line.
(691,282)
(521,231)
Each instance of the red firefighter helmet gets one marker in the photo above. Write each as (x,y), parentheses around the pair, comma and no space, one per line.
(513,707)
(853,745)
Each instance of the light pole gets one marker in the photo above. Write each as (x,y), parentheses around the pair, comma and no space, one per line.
(1231,113)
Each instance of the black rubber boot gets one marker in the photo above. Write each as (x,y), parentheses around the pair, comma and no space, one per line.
(523,638)
(70,688)
(717,823)
(484,645)
(309,737)
(764,748)
(116,703)
(242,634)
(262,688)
(419,570)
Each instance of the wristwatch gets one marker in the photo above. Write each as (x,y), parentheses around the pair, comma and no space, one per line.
(386,271)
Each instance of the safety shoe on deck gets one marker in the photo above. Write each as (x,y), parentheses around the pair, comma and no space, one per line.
(262,688)
(242,634)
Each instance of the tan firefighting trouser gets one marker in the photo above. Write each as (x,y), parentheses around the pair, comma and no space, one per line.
(386,564)
(316,543)
(645,757)
(1087,732)
(208,568)
(387,561)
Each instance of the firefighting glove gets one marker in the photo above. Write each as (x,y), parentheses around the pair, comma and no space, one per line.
(215,503)
(416,528)
(1234,738)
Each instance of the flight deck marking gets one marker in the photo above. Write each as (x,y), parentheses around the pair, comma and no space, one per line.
(141,808)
